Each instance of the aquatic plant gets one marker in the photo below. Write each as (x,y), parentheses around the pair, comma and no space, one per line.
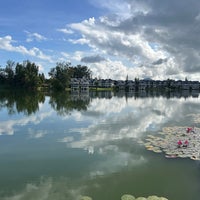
(130,197)
(141,198)
(166,142)
(86,198)
(127,197)
(156,198)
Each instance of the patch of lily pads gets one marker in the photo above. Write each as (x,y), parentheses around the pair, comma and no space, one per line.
(86,198)
(167,142)
(131,197)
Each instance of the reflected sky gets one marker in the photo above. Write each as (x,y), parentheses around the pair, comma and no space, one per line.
(8,127)
(73,150)
(117,119)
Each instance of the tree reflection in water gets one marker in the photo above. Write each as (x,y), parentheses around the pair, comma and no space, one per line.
(21,101)
(63,103)
(27,102)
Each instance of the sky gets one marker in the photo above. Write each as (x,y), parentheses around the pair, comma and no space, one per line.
(151,39)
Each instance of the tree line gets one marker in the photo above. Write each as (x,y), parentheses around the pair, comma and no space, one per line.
(26,75)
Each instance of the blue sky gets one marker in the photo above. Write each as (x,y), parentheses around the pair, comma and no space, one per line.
(114,38)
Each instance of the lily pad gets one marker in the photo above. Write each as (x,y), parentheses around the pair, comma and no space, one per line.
(127,197)
(166,142)
(141,198)
(153,198)
(156,198)
(86,198)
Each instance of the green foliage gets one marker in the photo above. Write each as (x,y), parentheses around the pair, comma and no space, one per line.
(26,75)
(81,71)
(2,76)
(9,71)
(23,75)
(61,75)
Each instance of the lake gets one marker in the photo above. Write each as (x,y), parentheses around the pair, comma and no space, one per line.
(62,146)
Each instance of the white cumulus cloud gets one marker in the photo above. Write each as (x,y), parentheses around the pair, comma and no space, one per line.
(6,44)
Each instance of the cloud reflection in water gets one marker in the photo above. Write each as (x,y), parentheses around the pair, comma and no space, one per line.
(114,126)
(7,127)
(117,119)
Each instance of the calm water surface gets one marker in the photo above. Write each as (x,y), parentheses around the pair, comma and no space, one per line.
(64,147)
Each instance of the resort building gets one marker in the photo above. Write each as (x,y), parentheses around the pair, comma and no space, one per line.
(83,84)
(79,84)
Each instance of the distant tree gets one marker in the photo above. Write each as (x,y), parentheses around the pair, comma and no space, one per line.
(96,83)
(127,77)
(137,82)
(41,78)
(82,71)
(31,74)
(23,75)
(19,75)
(60,75)
(2,76)
(9,71)
(26,75)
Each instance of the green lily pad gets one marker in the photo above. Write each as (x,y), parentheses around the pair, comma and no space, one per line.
(153,198)
(86,198)
(156,198)
(127,197)
(141,198)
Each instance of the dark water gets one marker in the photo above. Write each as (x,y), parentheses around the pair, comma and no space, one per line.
(60,146)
